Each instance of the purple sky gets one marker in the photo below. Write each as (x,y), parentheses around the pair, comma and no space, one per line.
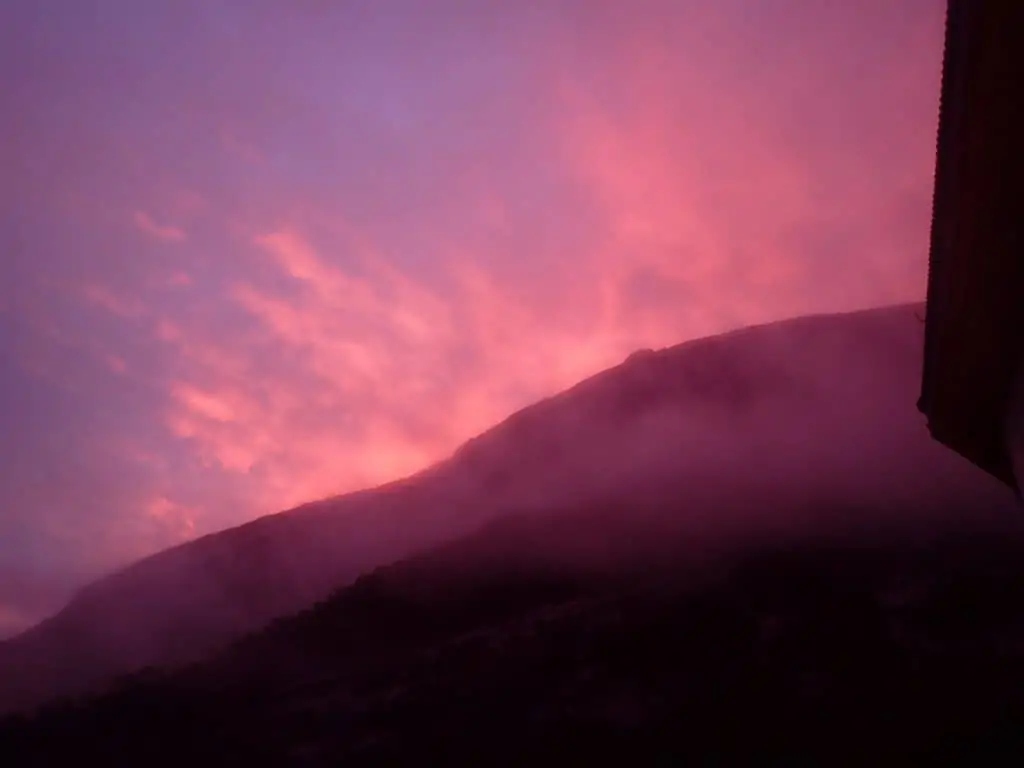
(256,252)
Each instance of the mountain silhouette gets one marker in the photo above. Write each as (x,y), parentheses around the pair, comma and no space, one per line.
(891,644)
(797,428)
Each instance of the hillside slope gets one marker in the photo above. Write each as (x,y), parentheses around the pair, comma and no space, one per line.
(898,644)
(816,408)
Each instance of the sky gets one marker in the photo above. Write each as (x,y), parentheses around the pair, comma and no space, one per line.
(259,252)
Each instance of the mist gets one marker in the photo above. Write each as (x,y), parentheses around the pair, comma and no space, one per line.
(335,330)
(795,429)
(264,253)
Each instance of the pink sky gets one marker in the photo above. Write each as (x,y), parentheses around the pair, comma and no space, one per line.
(257,253)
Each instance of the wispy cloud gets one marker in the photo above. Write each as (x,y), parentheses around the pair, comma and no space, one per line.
(164,232)
(102,297)
(359,250)
(177,517)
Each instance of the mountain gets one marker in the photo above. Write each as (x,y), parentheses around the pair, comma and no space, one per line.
(593,634)
(804,424)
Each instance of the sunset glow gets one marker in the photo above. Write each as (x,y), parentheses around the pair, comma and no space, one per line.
(260,253)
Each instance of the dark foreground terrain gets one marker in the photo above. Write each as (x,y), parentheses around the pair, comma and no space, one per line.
(870,648)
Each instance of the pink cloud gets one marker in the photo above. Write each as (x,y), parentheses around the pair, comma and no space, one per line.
(180,280)
(177,517)
(103,297)
(117,364)
(166,233)
(368,272)
(395,369)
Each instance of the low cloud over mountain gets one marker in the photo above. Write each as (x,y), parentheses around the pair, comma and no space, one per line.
(806,425)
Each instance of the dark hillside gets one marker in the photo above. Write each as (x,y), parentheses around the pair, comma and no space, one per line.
(870,649)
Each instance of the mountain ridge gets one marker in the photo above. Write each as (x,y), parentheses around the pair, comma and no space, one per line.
(804,397)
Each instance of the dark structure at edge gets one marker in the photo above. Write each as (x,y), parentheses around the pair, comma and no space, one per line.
(973,380)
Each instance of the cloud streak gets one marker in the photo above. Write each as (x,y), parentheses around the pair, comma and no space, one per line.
(357,238)
(166,233)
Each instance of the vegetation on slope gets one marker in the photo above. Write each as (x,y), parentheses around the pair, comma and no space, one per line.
(864,650)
